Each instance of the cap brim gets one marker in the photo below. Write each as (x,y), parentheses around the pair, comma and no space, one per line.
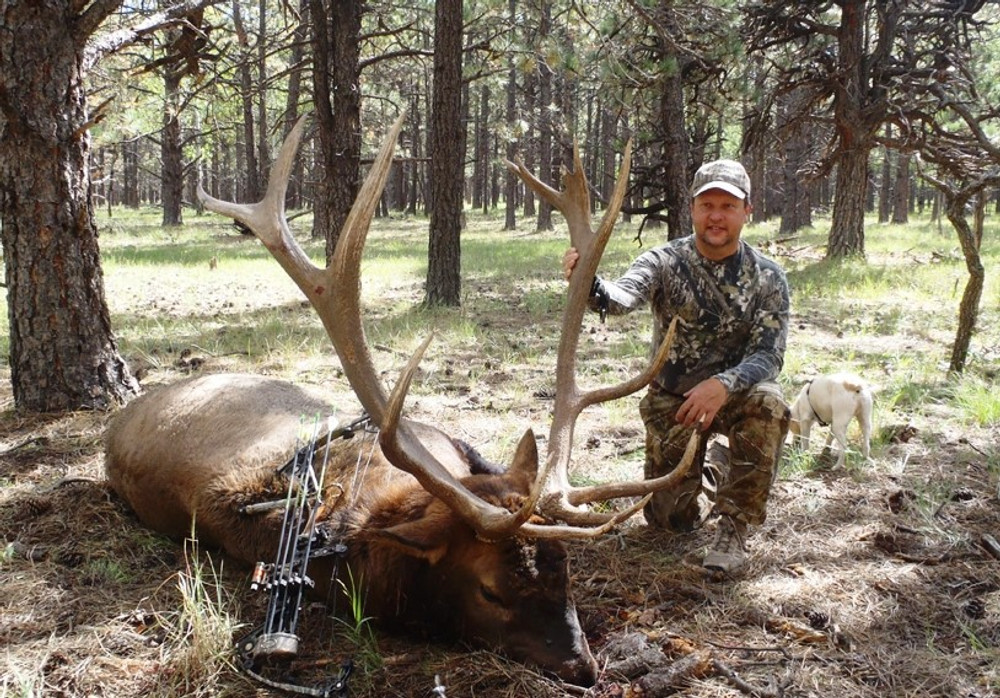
(724,186)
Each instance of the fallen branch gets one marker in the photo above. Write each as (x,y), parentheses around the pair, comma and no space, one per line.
(667,680)
(991,545)
(730,674)
(746,648)
(30,441)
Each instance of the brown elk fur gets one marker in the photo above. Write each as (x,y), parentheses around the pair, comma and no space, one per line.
(202,448)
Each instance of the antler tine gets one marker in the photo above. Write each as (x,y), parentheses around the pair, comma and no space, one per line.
(335,294)
(400,445)
(266,218)
(639,488)
(407,453)
(562,501)
(574,204)
(599,524)
(341,314)
(577,531)
(575,183)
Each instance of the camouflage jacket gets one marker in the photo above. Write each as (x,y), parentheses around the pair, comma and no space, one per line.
(733,314)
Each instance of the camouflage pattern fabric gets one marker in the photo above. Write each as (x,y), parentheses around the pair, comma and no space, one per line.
(734,327)
(734,313)
(755,422)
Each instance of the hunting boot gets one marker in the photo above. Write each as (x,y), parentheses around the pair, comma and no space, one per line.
(728,552)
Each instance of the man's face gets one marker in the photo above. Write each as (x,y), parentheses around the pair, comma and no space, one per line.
(718,218)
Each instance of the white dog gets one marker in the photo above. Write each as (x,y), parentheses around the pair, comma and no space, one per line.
(834,400)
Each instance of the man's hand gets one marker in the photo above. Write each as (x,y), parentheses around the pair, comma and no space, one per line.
(569,262)
(702,404)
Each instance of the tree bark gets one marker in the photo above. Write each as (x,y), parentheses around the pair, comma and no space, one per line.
(130,173)
(796,203)
(417,187)
(676,189)
(968,309)
(529,141)
(885,185)
(545,168)
(901,190)
(292,99)
(260,93)
(510,114)
(337,94)
(63,355)
(447,150)
(847,230)
(252,189)
(171,152)
(480,157)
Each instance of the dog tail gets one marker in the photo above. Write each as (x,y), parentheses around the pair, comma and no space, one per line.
(854,385)
(857,385)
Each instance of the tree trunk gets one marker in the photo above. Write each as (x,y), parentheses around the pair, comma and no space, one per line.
(496,170)
(480,148)
(968,310)
(510,114)
(847,231)
(416,171)
(295,193)
(796,202)
(529,150)
(171,152)
(253,189)
(130,173)
(447,150)
(676,189)
(337,94)
(63,355)
(606,183)
(901,190)
(263,148)
(885,186)
(544,111)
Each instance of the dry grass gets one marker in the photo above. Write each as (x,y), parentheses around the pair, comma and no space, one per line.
(866,582)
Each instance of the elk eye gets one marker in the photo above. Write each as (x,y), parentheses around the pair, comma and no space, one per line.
(490,595)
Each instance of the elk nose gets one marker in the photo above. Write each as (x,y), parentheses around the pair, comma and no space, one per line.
(580,672)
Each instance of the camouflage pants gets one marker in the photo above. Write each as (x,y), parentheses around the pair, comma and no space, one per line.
(755,422)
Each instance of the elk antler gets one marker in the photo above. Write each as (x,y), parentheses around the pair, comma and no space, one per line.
(562,501)
(334,293)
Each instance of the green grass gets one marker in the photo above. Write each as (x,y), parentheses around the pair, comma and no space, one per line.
(357,628)
(978,400)
(891,317)
(198,646)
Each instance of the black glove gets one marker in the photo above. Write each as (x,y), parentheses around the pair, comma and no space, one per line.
(598,291)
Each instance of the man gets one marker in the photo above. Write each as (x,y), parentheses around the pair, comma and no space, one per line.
(720,375)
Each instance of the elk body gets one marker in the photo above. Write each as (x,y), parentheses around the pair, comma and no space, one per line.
(438,539)
(203,448)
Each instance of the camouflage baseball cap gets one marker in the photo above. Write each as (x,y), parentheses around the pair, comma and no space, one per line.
(727,175)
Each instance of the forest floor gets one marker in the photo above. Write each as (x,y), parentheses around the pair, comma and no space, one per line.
(872,580)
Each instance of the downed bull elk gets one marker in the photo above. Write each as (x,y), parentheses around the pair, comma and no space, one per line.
(438,539)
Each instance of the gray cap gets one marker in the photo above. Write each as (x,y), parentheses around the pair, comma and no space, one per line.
(727,175)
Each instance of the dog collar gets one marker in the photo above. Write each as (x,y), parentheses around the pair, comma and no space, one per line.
(811,408)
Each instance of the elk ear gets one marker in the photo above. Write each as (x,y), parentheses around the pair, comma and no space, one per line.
(425,538)
(524,469)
